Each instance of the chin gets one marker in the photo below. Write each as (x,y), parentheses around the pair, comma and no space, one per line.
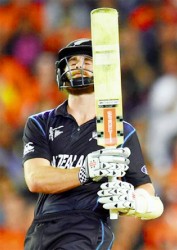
(81,90)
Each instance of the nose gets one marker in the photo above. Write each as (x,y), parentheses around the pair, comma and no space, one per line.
(79,63)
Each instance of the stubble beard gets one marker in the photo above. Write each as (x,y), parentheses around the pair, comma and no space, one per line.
(80,90)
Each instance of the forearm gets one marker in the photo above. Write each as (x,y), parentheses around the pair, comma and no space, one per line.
(47,179)
(126,228)
(148,187)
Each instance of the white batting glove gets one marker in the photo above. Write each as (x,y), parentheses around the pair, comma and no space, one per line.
(121,196)
(117,195)
(105,163)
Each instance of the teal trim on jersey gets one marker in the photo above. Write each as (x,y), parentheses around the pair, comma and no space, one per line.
(102,240)
(128,136)
(95,205)
(113,238)
(103,237)
(39,125)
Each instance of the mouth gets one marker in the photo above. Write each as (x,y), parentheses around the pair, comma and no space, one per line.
(78,73)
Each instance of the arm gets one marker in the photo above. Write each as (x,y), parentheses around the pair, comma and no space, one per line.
(148,187)
(41,177)
(127,228)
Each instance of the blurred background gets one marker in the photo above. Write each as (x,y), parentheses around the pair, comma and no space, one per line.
(31,33)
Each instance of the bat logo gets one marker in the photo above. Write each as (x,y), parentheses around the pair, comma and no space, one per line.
(109,115)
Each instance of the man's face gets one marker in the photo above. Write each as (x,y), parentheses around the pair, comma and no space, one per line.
(79,66)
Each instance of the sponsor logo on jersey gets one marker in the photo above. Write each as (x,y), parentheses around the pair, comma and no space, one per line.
(94,136)
(55,132)
(28,148)
(67,161)
(144,170)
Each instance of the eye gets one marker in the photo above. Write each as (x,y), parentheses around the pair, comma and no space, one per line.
(88,62)
(72,61)
(72,64)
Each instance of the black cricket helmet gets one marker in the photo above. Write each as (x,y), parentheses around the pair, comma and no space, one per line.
(77,47)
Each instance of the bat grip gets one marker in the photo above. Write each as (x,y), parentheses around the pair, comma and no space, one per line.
(113,212)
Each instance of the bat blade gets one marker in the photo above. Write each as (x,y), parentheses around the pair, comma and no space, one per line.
(107,79)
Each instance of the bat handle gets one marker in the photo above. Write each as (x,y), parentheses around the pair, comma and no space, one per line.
(113,212)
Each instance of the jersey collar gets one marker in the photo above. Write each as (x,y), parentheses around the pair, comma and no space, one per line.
(62,109)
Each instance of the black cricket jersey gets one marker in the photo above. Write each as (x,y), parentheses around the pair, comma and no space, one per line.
(56,136)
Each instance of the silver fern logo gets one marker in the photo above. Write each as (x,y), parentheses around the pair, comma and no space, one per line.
(55,132)
(28,148)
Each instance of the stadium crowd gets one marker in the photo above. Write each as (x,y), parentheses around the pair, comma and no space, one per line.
(31,33)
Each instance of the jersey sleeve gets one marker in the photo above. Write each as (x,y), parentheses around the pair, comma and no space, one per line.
(35,141)
(137,173)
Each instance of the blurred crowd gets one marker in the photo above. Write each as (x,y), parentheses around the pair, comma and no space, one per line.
(31,33)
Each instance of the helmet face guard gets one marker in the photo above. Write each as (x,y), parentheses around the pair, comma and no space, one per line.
(64,74)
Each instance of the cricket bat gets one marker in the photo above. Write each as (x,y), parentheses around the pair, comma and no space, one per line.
(107,80)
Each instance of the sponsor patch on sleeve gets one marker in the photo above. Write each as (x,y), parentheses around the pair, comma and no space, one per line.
(29,147)
(144,170)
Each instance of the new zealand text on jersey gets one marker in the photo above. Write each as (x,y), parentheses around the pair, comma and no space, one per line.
(67,161)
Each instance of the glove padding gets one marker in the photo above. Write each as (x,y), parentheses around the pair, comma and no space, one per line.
(105,163)
(117,195)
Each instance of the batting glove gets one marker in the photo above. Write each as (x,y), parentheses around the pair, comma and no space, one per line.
(121,196)
(117,195)
(105,163)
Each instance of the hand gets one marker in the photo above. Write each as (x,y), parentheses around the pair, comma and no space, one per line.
(104,163)
(122,197)
(117,195)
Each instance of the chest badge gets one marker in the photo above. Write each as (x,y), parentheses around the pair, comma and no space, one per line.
(55,132)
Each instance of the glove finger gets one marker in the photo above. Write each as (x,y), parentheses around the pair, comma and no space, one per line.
(112,166)
(108,193)
(119,205)
(117,184)
(114,159)
(107,172)
(120,193)
(125,152)
(111,199)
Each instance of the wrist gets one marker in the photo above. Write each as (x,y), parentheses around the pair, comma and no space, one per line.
(82,175)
